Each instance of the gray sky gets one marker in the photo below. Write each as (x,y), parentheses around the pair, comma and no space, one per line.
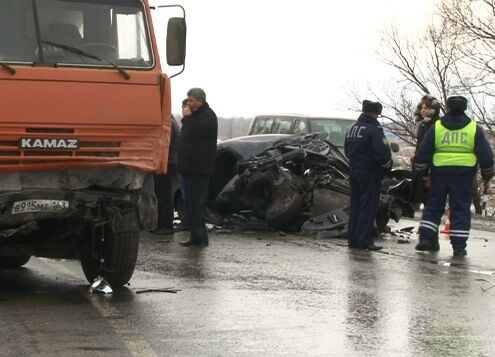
(254,57)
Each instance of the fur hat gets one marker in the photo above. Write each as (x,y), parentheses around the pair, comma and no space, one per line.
(456,104)
(432,103)
(372,107)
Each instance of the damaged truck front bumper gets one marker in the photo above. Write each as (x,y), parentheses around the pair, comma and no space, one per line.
(45,213)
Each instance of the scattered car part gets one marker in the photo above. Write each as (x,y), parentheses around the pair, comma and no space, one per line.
(100,285)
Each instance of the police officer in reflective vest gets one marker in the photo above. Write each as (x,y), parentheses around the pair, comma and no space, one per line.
(369,158)
(451,150)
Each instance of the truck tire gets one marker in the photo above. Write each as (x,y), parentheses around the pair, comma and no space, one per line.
(119,252)
(14,262)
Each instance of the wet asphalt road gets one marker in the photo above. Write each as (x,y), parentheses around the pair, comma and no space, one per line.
(260,294)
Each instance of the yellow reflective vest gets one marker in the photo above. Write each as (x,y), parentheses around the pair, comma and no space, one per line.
(454,147)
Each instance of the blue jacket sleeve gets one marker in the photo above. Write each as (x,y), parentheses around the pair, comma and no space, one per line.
(381,149)
(424,155)
(346,147)
(483,152)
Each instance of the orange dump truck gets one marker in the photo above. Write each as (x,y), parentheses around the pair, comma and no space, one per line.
(84,123)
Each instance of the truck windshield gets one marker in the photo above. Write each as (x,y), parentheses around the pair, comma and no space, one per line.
(115,30)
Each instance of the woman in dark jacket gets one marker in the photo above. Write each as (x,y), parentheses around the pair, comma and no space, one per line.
(426,114)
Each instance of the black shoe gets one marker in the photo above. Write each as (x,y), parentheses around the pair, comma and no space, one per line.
(427,246)
(190,243)
(460,253)
(374,247)
(164,231)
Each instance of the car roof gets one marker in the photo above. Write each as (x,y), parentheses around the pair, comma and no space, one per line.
(343,115)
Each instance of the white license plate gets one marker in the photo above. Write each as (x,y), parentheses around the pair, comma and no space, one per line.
(29,206)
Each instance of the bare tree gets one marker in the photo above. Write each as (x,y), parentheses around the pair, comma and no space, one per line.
(429,65)
(401,122)
(474,22)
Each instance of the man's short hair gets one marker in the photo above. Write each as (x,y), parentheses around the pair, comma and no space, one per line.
(184,103)
(197,93)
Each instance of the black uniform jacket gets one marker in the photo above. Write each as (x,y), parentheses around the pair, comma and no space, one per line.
(366,147)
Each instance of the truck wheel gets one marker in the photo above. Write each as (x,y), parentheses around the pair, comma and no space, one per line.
(119,252)
(14,262)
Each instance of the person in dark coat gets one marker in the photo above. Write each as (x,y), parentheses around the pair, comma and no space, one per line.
(369,158)
(182,226)
(163,185)
(451,150)
(426,114)
(196,162)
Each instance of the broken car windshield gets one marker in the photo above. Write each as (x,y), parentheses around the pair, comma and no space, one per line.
(115,30)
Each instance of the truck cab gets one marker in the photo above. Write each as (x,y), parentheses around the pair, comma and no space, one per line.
(84,125)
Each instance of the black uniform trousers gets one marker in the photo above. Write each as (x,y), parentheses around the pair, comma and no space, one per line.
(365,195)
(196,187)
(164,196)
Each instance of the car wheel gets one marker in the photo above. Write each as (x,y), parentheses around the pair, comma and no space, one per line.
(284,209)
(14,262)
(120,250)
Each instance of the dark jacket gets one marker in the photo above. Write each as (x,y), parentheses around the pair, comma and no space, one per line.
(366,146)
(174,142)
(198,142)
(423,128)
(424,156)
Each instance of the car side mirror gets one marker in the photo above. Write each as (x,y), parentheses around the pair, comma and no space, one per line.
(176,41)
(394,147)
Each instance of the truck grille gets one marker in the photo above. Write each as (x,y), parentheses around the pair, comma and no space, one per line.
(96,144)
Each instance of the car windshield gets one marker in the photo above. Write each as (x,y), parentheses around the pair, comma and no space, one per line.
(334,128)
(115,30)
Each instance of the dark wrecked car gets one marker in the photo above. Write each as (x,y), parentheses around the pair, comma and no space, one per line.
(290,183)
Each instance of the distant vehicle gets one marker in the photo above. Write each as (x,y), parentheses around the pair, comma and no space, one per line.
(335,127)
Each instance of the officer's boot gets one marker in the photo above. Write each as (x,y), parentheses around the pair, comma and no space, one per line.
(428,245)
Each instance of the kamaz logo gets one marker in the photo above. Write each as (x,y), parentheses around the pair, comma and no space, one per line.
(44,143)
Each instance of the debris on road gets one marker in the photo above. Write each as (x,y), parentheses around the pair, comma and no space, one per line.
(158,290)
(403,235)
(485,290)
(100,285)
